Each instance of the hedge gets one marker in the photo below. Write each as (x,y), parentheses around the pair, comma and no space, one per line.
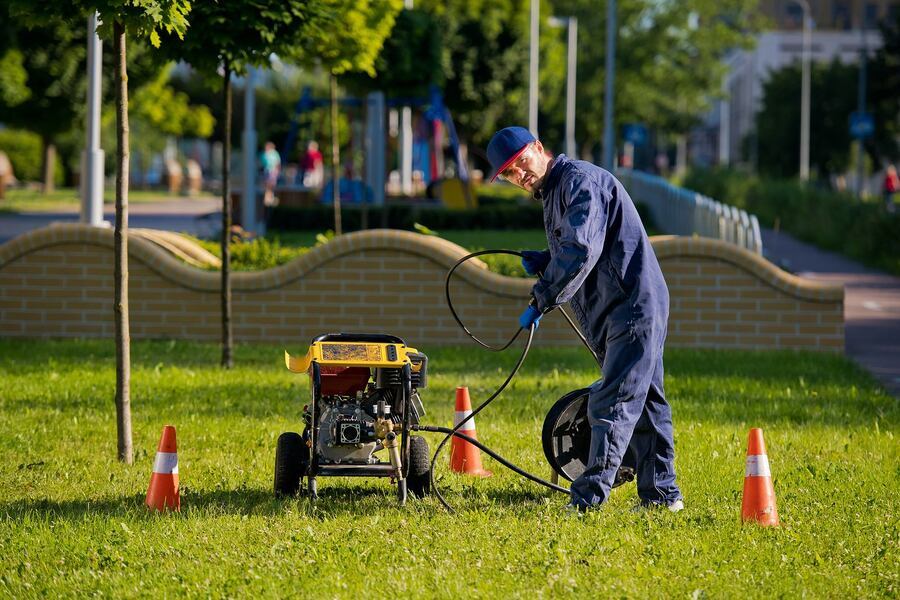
(24,151)
(831,220)
(319,218)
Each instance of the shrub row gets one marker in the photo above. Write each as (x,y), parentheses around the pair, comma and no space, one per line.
(831,220)
(26,153)
(495,216)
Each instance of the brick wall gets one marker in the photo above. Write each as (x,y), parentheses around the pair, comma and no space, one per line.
(58,282)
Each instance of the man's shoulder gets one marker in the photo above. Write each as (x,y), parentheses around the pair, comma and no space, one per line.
(571,167)
(581,172)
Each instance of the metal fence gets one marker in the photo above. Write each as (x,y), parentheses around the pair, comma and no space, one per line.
(682,212)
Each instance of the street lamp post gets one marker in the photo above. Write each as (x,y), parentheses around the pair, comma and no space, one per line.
(92,157)
(609,138)
(533,68)
(804,91)
(571,24)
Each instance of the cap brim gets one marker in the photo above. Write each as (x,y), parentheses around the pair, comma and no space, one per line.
(509,162)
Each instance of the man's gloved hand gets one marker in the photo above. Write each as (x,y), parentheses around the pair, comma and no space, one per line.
(535,261)
(531,316)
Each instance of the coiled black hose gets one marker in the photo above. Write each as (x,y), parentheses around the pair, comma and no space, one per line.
(454,432)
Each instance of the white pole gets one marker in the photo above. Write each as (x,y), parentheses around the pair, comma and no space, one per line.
(249,143)
(724,132)
(533,69)
(609,138)
(406,140)
(92,156)
(570,86)
(804,93)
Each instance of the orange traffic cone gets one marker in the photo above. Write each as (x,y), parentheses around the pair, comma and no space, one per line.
(163,491)
(759,495)
(464,457)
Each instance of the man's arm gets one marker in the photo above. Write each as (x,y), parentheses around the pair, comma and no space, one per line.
(581,238)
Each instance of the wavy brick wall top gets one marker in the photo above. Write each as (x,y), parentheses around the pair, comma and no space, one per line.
(58,282)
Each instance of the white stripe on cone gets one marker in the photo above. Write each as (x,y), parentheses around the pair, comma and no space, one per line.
(462,414)
(166,463)
(757,466)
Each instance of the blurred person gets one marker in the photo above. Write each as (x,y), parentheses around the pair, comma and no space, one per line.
(271,168)
(313,166)
(601,262)
(890,187)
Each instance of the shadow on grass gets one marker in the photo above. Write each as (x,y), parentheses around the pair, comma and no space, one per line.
(335,500)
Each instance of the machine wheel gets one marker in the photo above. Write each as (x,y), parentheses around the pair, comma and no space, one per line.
(291,461)
(419,478)
(566,439)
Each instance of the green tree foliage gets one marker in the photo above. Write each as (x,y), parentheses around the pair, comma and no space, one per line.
(345,36)
(232,36)
(884,93)
(669,59)
(169,111)
(158,111)
(410,60)
(13,78)
(143,18)
(51,57)
(484,64)
(668,62)
(833,91)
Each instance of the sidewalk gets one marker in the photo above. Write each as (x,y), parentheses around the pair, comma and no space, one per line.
(199,217)
(871,302)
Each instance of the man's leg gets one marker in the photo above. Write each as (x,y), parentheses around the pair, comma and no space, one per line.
(654,447)
(614,407)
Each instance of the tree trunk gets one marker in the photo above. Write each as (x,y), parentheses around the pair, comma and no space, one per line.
(123,337)
(680,155)
(335,157)
(49,166)
(227,340)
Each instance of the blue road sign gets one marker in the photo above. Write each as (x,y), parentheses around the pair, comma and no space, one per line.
(862,125)
(635,133)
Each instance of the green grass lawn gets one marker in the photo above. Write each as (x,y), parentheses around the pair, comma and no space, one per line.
(67,199)
(72,521)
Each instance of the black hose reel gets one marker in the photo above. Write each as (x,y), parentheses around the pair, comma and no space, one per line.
(566,438)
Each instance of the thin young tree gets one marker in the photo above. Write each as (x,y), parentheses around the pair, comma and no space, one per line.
(146,18)
(354,46)
(225,38)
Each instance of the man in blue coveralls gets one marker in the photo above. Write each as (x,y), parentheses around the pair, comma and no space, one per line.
(601,262)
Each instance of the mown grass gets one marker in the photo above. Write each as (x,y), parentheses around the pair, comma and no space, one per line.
(72,521)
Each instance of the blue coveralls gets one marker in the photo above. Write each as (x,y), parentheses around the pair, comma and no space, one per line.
(601,262)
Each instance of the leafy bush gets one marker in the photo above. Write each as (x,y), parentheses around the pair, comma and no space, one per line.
(499,216)
(831,220)
(24,151)
(254,255)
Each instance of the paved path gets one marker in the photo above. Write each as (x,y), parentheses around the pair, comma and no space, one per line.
(200,217)
(871,302)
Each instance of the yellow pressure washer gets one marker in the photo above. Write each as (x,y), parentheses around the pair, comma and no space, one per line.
(365,399)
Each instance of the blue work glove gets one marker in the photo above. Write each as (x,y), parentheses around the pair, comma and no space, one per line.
(535,261)
(531,316)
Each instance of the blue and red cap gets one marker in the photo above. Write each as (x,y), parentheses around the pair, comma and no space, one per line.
(506,146)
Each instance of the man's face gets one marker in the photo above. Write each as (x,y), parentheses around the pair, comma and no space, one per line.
(529,169)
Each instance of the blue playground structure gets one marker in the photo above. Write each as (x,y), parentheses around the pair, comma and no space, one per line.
(435,113)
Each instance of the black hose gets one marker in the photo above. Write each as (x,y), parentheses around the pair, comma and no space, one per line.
(471,416)
(455,431)
(453,310)
(493,455)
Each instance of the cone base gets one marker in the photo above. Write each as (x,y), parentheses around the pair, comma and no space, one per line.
(481,473)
